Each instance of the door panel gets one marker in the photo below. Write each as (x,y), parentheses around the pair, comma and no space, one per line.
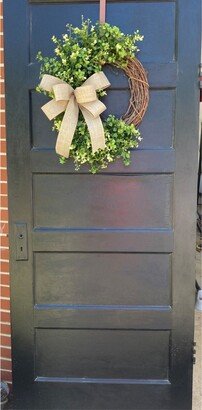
(119,355)
(159,44)
(103,201)
(102,310)
(102,279)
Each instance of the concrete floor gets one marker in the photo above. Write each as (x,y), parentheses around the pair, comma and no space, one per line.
(197,375)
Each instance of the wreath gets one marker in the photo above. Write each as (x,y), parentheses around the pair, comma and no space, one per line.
(74,80)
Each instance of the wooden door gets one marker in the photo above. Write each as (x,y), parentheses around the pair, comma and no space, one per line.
(102,309)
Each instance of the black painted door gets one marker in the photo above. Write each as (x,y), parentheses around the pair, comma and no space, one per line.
(102,310)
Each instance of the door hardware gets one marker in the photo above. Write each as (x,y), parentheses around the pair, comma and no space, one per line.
(21,241)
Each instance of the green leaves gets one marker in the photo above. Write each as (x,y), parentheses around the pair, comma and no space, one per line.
(84,50)
(120,138)
(81,52)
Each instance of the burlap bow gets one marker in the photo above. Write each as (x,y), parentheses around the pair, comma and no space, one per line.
(69,100)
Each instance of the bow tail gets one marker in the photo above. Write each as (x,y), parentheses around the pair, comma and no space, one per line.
(67,128)
(95,129)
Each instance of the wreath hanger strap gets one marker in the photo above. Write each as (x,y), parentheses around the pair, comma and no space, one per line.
(102,17)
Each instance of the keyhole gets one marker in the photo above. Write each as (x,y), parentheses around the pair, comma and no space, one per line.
(20,236)
(21,242)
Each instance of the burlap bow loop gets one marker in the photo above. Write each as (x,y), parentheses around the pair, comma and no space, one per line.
(68,100)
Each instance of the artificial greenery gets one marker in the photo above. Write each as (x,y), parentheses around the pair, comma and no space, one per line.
(80,53)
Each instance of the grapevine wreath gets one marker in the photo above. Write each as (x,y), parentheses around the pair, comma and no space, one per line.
(74,80)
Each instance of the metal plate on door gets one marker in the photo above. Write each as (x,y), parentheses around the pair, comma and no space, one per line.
(21,241)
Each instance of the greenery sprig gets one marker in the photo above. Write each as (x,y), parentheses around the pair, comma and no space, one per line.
(78,54)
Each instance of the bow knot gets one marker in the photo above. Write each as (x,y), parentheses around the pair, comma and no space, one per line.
(68,100)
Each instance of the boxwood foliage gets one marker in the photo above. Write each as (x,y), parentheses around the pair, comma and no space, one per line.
(79,53)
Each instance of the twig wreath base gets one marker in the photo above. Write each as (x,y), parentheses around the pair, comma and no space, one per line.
(139,90)
(81,53)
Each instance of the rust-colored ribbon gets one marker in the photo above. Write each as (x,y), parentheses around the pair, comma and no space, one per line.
(68,100)
(102,16)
